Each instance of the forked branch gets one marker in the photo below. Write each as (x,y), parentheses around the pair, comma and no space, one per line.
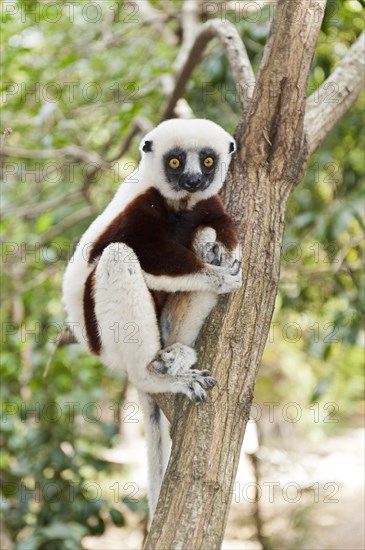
(236,53)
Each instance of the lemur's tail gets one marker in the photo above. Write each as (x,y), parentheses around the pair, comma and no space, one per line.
(158,447)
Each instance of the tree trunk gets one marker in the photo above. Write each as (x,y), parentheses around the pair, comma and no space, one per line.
(272,155)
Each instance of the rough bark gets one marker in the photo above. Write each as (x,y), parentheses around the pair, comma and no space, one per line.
(272,156)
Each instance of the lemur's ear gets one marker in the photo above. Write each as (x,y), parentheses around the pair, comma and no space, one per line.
(147,146)
(232,146)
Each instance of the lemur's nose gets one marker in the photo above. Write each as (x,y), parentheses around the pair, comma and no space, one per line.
(192,181)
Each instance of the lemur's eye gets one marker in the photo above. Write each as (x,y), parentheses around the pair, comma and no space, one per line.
(174,163)
(208,162)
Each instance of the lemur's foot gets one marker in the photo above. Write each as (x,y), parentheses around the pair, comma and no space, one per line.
(177,360)
(194,383)
(199,378)
(174,360)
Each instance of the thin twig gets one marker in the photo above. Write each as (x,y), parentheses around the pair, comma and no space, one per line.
(74,151)
(65,339)
(34,210)
(139,124)
(71,220)
(5,134)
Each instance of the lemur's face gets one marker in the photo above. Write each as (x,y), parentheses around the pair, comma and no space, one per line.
(183,158)
(190,170)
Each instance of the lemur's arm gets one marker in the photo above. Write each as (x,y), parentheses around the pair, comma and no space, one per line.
(215,241)
(171,267)
(218,219)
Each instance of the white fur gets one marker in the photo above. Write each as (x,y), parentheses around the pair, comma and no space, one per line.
(78,268)
(158,444)
(210,279)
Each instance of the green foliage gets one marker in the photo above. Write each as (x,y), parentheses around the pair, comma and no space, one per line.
(72,81)
(53,432)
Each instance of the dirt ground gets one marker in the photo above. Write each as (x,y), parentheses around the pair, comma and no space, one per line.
(317,502)
(311,498)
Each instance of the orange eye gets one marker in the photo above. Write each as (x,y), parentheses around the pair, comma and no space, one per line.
(208,162)
(174,163)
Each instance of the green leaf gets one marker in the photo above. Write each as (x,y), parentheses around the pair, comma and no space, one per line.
(117,517)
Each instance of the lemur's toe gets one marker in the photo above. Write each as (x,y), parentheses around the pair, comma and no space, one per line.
(209,382)
(217,254)
(197,394)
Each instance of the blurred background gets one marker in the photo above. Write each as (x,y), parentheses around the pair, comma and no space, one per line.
(82,82)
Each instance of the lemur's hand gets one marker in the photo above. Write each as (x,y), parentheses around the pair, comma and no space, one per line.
(225,278)
(211,251)
(214,253)
(223,266)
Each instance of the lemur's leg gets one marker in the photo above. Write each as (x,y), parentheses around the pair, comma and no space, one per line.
(130,339)
(129,330)
(183,316)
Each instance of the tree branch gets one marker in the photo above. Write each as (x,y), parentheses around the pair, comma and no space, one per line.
(236,53)
(72,219)
(34,210)
(327,105)
(139,124)
(190,25)
(74,151)
(190,22)
(278,104)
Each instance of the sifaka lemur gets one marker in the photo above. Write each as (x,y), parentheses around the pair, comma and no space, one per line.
(153,264)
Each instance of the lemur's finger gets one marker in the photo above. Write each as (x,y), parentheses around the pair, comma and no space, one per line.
(235,267)
(217,251)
